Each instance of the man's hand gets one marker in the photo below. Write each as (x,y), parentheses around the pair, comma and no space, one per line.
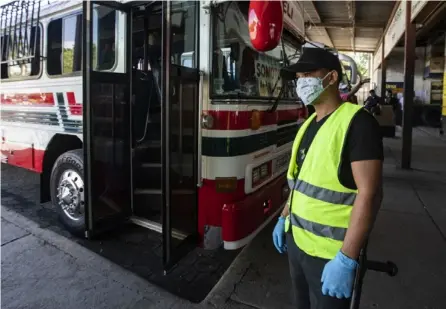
(365,81)
(279,235)
(338,276)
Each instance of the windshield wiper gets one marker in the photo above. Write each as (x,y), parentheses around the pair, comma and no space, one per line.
(286,63)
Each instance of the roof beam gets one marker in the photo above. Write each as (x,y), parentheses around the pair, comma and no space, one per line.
(360,50)
(351,13)
(318,16)
(337,25)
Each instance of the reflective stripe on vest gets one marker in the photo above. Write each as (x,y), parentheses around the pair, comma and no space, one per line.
(336,233)
(322,194)
(320,205)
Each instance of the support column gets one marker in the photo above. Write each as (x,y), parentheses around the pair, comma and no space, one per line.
(443,108)
(383,71)
(409,72)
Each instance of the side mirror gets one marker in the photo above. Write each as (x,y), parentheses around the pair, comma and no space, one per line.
(353,67)
(265,23)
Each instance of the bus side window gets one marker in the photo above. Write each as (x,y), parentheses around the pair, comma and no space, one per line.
(104,38)
(65,45)
(4,46)
(53,59)
(23,62)
(72,44)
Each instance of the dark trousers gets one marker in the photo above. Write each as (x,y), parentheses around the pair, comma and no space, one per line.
(306,273)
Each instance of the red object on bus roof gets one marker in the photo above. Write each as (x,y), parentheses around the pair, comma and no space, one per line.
(265,23)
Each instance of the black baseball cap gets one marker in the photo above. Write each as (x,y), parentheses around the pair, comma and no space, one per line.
(313,59)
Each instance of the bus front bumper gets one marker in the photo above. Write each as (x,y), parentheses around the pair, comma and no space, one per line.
(243,220)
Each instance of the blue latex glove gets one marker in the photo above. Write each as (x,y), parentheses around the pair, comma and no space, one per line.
(279,235)
(338,276)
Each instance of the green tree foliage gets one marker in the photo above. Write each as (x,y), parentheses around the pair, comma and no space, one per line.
(68,57)
(362,62)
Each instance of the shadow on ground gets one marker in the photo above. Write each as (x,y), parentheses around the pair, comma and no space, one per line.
(134,248)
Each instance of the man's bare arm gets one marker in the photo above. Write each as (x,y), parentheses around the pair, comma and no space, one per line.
(286,210)
(357,87)
(368,179)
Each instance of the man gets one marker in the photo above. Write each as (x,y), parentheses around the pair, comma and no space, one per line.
(390,99)
(348,96)
(335,179)
(372,102)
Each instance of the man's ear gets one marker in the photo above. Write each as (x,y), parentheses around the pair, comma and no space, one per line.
(334,78)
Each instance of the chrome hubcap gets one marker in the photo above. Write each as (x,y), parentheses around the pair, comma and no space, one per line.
(70,194)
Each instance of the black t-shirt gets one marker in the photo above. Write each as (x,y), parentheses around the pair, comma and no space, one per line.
(363,142)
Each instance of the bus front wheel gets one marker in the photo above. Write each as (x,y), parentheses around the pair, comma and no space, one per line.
(68,192)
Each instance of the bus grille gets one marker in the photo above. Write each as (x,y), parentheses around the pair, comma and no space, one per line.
(286,134)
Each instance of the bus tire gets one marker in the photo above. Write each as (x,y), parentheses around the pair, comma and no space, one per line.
(68,192)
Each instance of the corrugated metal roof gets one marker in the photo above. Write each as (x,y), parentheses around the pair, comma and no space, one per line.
(332,11)
(333,22)
(374,12)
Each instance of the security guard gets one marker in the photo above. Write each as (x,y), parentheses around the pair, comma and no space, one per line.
(335,177)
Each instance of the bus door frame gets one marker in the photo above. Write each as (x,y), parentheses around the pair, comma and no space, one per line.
(92,80)
(173,252)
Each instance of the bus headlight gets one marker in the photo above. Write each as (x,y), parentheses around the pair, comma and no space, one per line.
(261,173)
(207,121)
(256,120)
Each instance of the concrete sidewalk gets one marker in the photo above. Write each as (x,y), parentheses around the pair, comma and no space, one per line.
(410,230)
(41,269)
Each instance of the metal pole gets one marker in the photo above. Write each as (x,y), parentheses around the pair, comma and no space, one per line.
(10,42)
(20,47)
(37,25)
(165,133)
(26,44)
(383,71)
(14,42)
(180,131)
(409,71)
(146,41)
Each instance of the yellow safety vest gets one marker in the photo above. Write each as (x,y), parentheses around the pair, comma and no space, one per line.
(320,205)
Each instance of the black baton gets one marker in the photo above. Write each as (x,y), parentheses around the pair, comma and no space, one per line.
(386,267)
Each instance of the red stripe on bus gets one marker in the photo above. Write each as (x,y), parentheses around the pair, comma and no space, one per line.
(75,108)
(27,98)
(241,120)
(289,114)
(25,157)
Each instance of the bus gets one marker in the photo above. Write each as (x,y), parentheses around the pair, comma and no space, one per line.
(151,112)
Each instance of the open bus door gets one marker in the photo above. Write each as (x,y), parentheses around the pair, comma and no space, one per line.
(180,87)
(107,112)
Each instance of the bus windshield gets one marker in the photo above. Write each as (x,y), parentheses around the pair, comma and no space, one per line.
(237,68)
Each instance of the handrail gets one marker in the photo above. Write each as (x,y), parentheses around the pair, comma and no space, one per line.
(148,113)
(200,128)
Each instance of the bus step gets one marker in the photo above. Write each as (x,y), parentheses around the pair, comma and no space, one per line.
(149,152)
(147,203)
(148,176)
(150,144)
(156,226)
(141,191)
